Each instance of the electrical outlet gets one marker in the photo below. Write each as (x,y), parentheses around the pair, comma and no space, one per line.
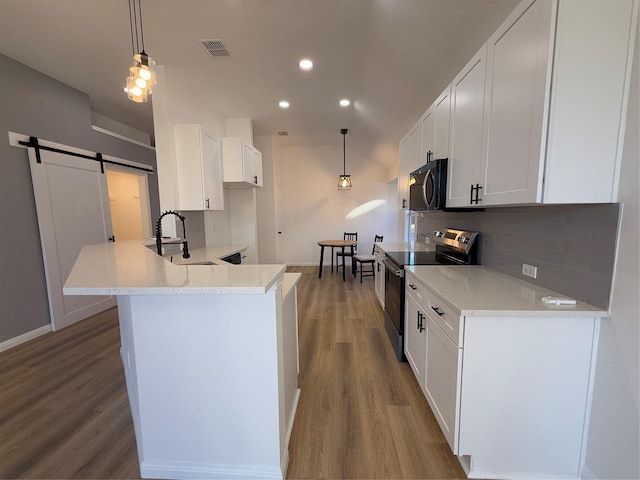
(529,270)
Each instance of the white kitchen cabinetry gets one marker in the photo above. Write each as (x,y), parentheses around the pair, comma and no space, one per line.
(379,277)
(443,365)
(509,391)
(465,147)
(435,128)
(415,334)
(199,169)
(409,153)
(428,128)
(538,144)
(242,164)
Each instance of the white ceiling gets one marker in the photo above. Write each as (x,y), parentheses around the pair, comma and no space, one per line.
(390,57)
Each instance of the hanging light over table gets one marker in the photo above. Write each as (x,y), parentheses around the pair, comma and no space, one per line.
(344,183)
(142,76)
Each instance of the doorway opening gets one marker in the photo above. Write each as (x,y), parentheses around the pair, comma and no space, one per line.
(129,204)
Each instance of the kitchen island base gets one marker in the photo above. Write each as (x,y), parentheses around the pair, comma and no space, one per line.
(210,382)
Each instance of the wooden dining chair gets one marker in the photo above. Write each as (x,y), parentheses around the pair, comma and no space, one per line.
(367,260)
(352,236)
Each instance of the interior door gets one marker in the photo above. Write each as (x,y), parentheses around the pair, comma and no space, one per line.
(72,202)
(280,256)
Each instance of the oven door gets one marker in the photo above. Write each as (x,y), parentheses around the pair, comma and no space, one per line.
(394,293)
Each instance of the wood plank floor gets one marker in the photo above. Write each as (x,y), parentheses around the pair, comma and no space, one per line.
(64,410)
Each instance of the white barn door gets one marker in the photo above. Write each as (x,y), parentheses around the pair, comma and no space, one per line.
(72,202)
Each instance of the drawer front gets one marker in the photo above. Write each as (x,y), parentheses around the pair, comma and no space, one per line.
(444,316)
(415,289)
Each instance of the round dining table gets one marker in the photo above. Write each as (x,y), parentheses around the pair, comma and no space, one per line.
(337,244)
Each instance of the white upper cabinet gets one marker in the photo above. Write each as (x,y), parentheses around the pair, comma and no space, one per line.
(199,169)
(465,147)
(517,76)
(408,161)
(242,164)
(552,115)
(428,127)
(442,119)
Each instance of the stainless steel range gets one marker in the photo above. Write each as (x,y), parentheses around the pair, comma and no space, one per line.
(453,247)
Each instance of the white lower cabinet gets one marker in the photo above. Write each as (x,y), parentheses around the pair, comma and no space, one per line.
(415,334)
(379,277)
(510,393)
(443,364)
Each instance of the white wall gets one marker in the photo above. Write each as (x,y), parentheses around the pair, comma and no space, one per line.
(614,440)
(315,210)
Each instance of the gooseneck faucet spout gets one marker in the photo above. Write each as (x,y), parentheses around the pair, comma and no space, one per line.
(185,245)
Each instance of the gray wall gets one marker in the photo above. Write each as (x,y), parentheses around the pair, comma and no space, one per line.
(573,246)
(33,104)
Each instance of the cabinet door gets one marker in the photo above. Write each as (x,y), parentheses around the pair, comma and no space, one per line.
(415,144)
(442,120)
(465,148)
(415,343)
(379,280)
(518,73)
(212,173)
(256,159)
(403,173)
(443,374)
(428,127)
(247,163)
(198,166)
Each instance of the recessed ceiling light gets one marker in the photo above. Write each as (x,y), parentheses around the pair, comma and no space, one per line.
(344,102)
(283,104)
(305,64)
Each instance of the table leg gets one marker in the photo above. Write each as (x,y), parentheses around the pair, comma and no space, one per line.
(321,258)
(332,255)
(344,275)
(353,264)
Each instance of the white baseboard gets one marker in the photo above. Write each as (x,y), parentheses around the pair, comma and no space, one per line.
(25,337)
(179,470)
(587,474)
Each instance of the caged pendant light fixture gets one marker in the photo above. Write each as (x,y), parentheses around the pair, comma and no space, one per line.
(344,183)
(142,76)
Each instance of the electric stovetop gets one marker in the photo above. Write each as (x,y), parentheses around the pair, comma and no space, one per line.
(420,258)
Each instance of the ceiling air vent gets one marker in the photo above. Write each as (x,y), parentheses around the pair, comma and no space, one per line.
(215,48)
(282,133)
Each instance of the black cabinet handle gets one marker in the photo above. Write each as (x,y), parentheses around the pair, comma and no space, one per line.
(429,155)
(471,195)
(478,188)
(255,179)
(420,322)
(412,286)
(437,310)
(112,238)
(404,203)
(206,203)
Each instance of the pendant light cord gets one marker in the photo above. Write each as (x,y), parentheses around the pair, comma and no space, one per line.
(344,153)
(137,36)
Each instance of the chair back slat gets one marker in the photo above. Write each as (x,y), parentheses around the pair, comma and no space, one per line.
(378,238)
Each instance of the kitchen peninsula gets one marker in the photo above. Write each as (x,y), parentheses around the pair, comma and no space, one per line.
(210,355)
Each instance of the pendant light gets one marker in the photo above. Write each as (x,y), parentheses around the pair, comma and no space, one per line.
(344,183)
(142,76)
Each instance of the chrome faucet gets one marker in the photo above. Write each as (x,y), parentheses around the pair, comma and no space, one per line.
(185,245)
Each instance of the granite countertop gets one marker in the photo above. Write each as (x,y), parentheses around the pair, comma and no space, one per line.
(130,268)
(482,291)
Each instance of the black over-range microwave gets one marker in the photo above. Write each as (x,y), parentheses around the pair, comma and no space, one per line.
(428,186)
